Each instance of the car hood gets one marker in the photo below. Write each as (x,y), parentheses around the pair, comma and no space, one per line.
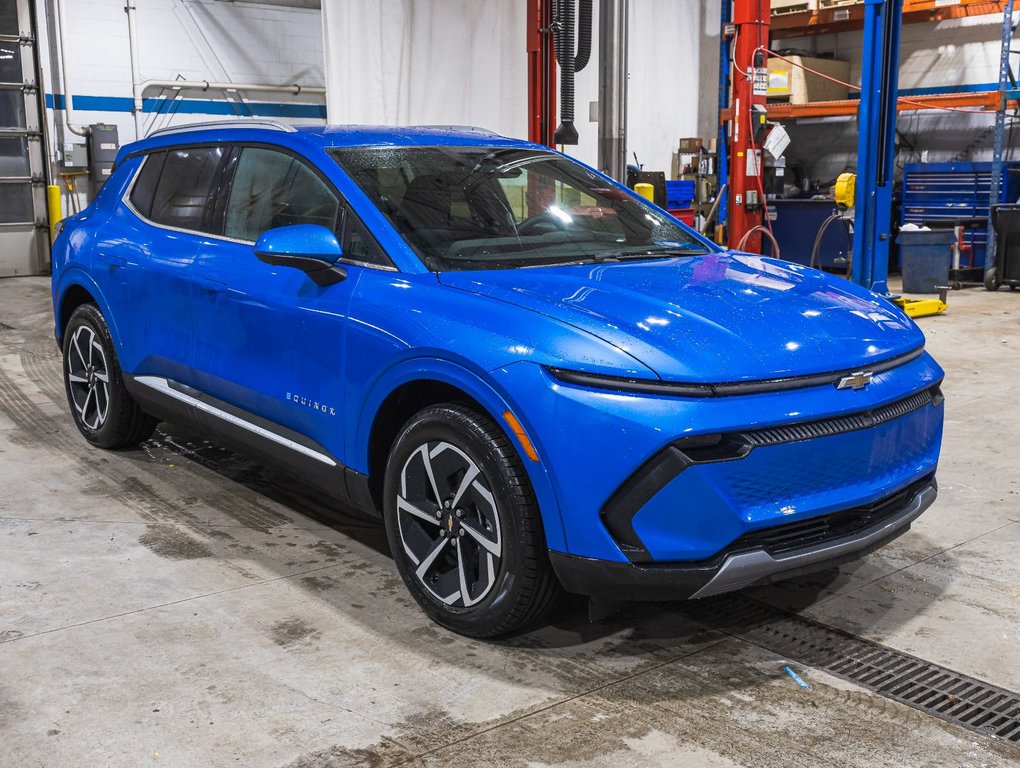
(713,318)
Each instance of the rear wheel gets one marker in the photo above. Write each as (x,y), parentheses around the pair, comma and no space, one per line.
(101,407)
(463,524)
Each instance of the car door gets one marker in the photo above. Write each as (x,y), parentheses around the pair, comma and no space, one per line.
(270,341)
(149,259)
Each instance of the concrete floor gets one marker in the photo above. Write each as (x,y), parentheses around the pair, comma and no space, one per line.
(180,605)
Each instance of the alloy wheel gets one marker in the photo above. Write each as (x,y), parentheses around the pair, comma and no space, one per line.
(449,524)
(89,378)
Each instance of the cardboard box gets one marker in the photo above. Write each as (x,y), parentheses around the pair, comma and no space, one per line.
(789,82)
(781,7)
(691,146)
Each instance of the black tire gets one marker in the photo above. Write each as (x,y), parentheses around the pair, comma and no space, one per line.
(498,506)
(991,280)
(102,409)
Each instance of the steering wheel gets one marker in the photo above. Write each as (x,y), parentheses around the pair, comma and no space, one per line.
(540,220)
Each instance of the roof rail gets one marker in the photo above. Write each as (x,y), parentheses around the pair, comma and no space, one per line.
(464,128)
(235,123)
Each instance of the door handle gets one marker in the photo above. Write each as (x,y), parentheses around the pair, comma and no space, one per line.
(208,285)
(111,261)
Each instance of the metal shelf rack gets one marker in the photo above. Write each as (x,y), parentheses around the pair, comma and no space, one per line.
(844,17)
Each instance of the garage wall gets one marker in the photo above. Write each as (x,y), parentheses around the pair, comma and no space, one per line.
(180,39)
(460,62)
(933,57)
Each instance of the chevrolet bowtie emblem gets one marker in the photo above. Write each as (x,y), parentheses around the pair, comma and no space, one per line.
(449,524)
(858,380)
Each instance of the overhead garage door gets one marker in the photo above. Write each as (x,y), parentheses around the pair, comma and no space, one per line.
(24,243)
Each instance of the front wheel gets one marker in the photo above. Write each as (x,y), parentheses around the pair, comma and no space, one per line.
(464,526)
(101,407)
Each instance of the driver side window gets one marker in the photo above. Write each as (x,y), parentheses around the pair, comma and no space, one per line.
(274,189)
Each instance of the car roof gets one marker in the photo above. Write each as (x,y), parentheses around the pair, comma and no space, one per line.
(324,136)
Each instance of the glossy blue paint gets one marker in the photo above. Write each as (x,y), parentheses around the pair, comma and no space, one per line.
(322,360)
(691,318)
(312,241)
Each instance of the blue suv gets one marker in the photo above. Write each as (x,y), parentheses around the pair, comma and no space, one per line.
(539,380)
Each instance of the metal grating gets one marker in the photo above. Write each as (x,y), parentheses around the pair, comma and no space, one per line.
(948,695)
(865,420)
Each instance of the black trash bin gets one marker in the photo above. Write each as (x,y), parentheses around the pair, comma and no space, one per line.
(925,258)
(1006,222)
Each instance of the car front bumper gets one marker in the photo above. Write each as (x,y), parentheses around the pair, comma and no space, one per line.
(647,480)
(773,554)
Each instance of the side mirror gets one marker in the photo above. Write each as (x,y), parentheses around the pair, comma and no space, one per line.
(312,248)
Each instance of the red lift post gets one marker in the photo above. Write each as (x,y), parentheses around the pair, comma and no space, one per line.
(541,73)
(748,92)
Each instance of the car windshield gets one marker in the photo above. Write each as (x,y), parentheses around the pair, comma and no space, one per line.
(501,208)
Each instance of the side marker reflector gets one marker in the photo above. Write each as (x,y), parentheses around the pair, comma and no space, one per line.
(522,436)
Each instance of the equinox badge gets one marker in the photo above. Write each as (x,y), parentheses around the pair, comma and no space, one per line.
(858,380)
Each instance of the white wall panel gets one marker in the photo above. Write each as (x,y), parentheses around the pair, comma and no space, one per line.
(249,43)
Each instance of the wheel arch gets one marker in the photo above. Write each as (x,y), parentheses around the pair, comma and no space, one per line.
(417,384)
(77,288)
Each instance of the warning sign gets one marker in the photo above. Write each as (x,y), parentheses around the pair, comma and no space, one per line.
(761,81)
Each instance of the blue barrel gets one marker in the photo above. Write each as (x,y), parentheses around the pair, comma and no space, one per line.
(925,258)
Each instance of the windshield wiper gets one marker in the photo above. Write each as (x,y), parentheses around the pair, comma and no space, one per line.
(653,253)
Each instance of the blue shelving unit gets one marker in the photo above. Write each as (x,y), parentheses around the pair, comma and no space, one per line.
(940,193)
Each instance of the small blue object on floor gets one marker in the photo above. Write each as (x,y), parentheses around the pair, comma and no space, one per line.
(796,678)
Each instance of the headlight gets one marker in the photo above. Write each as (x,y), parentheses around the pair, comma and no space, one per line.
(692,389)
(624,384)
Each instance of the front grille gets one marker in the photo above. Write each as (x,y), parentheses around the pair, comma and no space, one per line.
(824,528)
(808,430)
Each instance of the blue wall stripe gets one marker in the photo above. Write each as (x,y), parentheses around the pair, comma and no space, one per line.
(189,106)
(313,111)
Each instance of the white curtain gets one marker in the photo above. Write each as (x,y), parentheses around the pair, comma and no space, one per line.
(464,62)
(443,62)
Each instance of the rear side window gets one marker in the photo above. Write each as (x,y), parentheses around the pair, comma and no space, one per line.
(184,185)
(274,189)
(145,184)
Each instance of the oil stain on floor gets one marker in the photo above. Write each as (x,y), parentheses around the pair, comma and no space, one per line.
(172,543)
(290,632)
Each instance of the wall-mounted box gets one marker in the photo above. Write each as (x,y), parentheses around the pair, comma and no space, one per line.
(103,146)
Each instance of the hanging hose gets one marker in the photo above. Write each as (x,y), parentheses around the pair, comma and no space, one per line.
(566,133)
(570,62)
(584,34)
(818,242)
(764,231)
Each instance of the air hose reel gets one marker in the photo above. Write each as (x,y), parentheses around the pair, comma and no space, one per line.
(845,189)
(843,193)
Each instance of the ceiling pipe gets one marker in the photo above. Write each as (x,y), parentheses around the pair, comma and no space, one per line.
(612,141)
(205,85)
(136,90)
(68,99)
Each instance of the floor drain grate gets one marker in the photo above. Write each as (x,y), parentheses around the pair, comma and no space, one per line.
(956,698)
